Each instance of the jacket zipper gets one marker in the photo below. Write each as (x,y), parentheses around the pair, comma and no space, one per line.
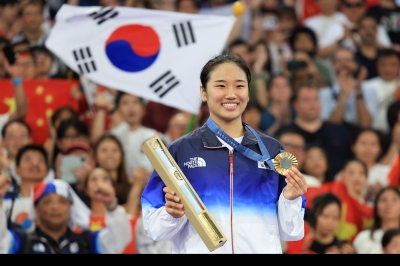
(230,190)
(231,196)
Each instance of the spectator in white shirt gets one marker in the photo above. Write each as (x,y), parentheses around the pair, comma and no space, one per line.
(385,86)
(328,26)
(129,131)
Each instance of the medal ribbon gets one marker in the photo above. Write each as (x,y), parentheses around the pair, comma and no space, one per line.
(263,157)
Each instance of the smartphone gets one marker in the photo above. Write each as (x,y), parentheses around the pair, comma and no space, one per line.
(9,53)
(68,164)
(296,65)
(270,23)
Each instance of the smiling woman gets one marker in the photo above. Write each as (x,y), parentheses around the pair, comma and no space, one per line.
(229,151)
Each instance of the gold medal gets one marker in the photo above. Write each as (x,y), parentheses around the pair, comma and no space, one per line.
(284,161)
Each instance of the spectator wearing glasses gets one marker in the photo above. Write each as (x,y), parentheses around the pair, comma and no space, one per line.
(294,143)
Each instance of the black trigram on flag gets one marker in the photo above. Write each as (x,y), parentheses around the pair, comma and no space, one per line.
(104,14)
(165,83)
(84,60)
(184,34)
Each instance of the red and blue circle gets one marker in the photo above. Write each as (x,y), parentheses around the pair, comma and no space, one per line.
(133,48)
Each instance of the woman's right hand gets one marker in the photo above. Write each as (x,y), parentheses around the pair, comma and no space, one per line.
(173,204)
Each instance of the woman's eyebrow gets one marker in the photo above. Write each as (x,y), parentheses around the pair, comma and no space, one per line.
(221,80)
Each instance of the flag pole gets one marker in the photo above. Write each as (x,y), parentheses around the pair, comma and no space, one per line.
(191,123)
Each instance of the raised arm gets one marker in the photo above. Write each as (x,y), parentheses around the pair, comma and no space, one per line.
(117,234)
(15,71)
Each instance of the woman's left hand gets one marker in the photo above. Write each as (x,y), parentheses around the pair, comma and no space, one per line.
(296,184)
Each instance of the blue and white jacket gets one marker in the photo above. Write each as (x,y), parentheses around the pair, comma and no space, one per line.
(243,196)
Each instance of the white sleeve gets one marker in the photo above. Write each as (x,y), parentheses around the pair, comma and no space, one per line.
(382,37)
(328,105)
(159,225)
(117,234)
(145,245)
(5,236)
(290,218)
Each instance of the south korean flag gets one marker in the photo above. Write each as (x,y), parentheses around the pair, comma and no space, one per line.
(157,55)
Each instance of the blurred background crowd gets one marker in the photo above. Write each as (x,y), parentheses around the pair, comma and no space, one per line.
(325,83)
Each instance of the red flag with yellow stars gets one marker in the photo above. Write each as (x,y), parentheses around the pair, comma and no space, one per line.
(355,217)
(306,9)
(44,97)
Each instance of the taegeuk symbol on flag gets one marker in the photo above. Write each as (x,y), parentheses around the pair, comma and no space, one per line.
(157,55)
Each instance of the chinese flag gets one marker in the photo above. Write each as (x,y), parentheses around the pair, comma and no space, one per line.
(306,9)
(355,215)
(44,97)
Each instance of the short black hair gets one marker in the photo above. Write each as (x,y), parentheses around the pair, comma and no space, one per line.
(122,93)
(279,134)
(319,204)
(303,30)
(388,235)
(365,17)
(18,121)
(387,52)
(309,84)
(351,160)
(21,42)
(31,147)
(238,42)
(74,122)
(41,49)
(61,109)
(9,2)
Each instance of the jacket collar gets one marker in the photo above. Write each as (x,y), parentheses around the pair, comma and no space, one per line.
(209,139)
(68,235)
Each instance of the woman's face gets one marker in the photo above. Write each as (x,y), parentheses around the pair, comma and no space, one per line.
(316,163)
(367,147)
(388,206)
(354,177)
(328,220)
(280,89)
(227,93)
(108,155)
(97,177)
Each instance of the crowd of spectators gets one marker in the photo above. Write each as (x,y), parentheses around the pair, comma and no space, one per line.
(326,85)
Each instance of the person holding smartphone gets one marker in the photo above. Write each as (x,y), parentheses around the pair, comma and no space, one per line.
(74,166)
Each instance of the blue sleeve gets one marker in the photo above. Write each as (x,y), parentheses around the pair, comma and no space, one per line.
(16,244)
(95,247)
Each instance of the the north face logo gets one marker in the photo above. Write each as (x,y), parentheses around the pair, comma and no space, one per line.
(195,162)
